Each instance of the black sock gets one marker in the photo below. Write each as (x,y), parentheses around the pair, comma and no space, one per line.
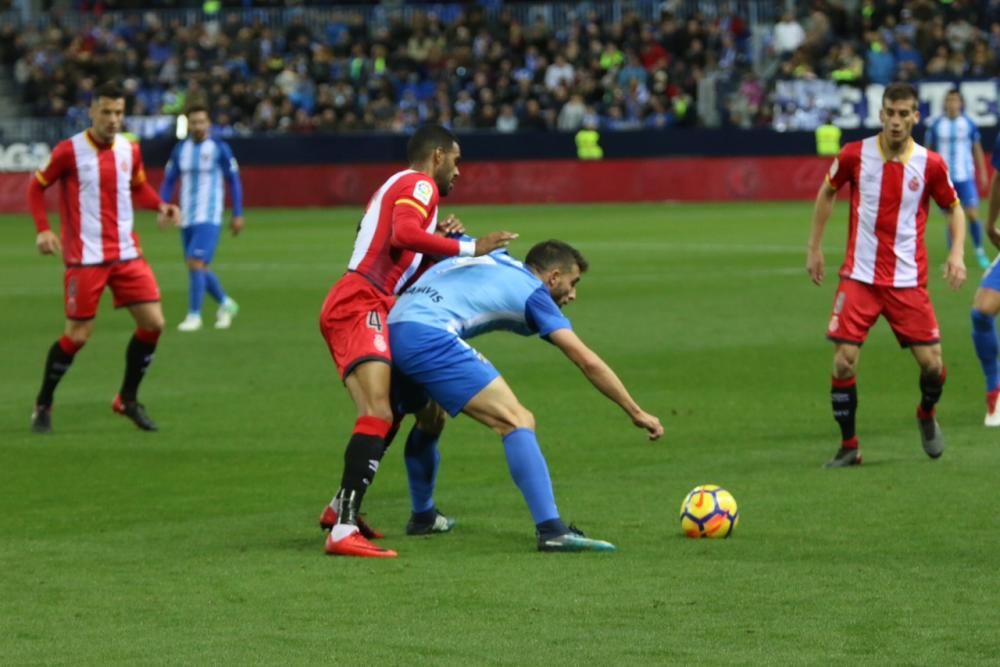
(361,459)
(931,386)
(551,528)
(844,397)
(57,363)
(138,356)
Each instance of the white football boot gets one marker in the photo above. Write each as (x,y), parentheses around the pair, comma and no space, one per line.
(191,323)
(227,311)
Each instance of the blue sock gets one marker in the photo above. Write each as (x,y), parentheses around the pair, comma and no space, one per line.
(196,291)
(422,457)
(984,337)
(976,232)
(214,286)
(531,474)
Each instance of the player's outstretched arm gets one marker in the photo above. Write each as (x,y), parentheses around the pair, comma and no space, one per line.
(605,380)
(821,215)
(980,157)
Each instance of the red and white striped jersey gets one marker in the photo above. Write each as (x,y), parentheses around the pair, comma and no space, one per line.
(96,184)
(398,228)
(890,201)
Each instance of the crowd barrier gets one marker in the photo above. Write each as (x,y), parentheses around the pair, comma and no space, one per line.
(521,182)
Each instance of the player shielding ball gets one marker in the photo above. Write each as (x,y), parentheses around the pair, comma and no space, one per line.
(885,270)
(399,226)
(100,173)
(459,299)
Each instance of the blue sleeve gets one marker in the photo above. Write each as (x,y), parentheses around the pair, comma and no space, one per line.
(172,173)
(231,171)
(931,138)
(995,158)
(543,315)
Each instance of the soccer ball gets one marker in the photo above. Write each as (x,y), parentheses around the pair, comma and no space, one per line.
(709,511)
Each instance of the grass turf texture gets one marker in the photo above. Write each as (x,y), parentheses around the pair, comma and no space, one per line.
(199,544)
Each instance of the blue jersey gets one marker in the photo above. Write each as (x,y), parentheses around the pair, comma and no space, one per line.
(202,167)
(953,138)
(468,296)
(995,159)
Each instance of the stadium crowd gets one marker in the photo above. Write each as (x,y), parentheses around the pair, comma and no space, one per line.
(344,75)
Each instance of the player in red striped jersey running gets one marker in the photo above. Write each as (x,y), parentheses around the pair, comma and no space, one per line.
(399,227)
(100,173)
(884,273)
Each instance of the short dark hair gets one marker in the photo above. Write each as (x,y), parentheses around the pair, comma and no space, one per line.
(555,254)
(955,91)
(110,89)
(899,91)
(196,107)
(426,139)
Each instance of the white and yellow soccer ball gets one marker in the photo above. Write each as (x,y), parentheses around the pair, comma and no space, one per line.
(709,511)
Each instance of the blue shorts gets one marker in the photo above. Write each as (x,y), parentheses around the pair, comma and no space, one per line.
(200,241)
(447,367)
(991,279)
(968,195)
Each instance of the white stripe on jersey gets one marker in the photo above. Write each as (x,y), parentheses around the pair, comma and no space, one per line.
(905,245)
(369,223)
(870,194)
(123,173)
(88,173)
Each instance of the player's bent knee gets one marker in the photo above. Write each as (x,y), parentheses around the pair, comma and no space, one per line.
(431,419)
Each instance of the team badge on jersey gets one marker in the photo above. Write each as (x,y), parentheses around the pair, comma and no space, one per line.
(423,192)
(914,184)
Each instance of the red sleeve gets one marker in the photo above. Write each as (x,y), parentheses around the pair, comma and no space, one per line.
(939,183)
(844,166)
(408,220)
(138,170)
(146,197)
(36,204)
(60,162)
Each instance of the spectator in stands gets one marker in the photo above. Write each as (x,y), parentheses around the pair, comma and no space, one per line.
(788,34)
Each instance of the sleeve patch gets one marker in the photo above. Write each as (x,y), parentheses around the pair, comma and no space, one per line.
(423,192)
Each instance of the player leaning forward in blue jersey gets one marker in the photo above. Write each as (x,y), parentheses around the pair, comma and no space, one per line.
(955,136)
(202,164)
(460,298)
(986,305)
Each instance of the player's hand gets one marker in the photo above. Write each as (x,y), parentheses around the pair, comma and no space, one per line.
(650,423)
(450,225)
(994,235)
(48,243)
(814,266)
(169,214)
(236,225)
(493,241)
(954,270)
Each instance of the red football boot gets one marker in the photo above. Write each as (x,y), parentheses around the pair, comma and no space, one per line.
(355,544)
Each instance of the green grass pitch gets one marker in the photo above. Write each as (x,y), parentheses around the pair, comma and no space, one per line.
(199,544)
